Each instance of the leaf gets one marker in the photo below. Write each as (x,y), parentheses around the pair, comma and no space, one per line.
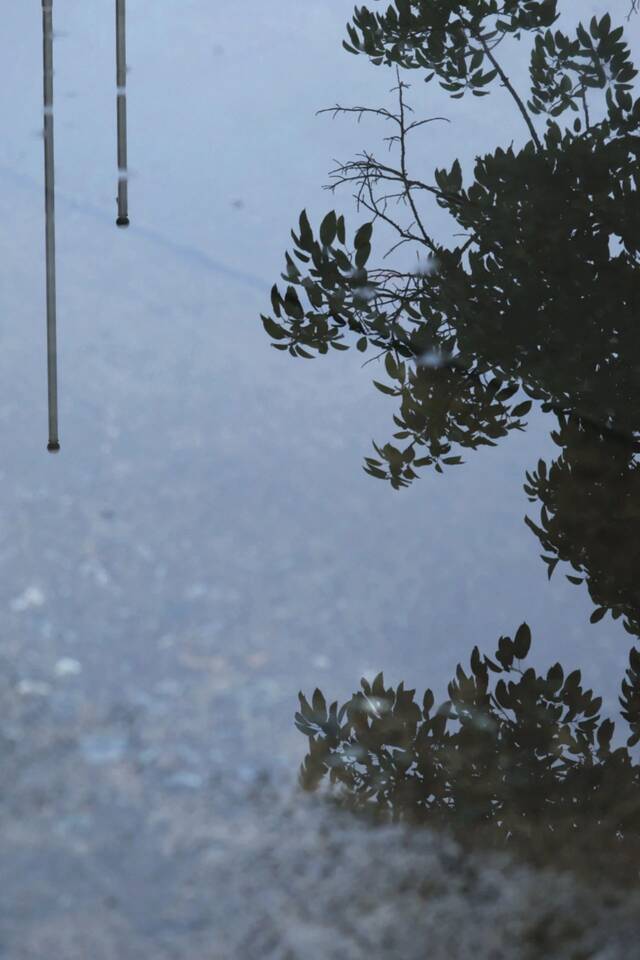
(455,177)
(272,328)
(555,676)
(391,366)
(605,733)
(384,388)
(522,641)
(306,233)
(328,229)
(319,704)
(476,663)
(305,709)
(522,409)
(362,255)
(363,236)
(597,614)
(375,472)
(505,652)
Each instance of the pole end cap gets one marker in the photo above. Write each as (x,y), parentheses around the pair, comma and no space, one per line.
(122,222)
(53,446)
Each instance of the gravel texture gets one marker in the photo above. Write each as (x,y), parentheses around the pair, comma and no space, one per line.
(113,851)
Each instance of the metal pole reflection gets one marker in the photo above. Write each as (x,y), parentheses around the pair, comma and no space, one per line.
(50,226)
(121,80)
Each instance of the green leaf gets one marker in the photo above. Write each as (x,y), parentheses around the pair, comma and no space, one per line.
(384,388)
(362,255)
(522,642)
(391,366)
(522,409)
(363,236)
(272,328)
(328,229)
(306,233)
(319,704)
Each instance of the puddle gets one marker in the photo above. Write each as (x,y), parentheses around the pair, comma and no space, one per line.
(444,500)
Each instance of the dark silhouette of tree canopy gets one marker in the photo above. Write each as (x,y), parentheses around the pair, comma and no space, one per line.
(538,302)
(590,516)
(515,755)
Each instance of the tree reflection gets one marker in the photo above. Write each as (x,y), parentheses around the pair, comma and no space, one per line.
(590,515)
(519,758)
(537,303)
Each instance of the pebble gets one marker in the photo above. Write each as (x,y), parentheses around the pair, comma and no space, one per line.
(185,779)
(168,688)
(195,592)
(102,748)
(67,667)
(29,599)
(33,688)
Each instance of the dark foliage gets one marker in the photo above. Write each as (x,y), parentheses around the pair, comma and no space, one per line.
(517,757)
(590,516)
(539,301)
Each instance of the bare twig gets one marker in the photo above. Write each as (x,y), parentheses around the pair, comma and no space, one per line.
(403,162)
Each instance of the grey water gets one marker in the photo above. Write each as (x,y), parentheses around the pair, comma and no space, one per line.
(206,544)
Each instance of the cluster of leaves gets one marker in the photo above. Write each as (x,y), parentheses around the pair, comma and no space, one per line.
(541,273)
(539,303)
(590,516)
(562,70)
(442,403)
(503,322)
(450,39)
(337,291)
(511,753)
(536,275)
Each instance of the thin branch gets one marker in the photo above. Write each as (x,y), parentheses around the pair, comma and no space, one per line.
(403,162)
(373,207)
(383,172)
(508,86)
(377,111)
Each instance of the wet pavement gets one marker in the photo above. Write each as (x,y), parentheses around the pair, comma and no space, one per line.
(206,544)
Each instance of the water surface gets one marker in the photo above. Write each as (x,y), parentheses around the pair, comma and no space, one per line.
(207,543)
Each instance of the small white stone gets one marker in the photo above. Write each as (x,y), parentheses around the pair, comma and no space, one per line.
(27,600)
(100,749)
(195,592)
(67,667)
(33,688)
(168,688)
(186,779)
